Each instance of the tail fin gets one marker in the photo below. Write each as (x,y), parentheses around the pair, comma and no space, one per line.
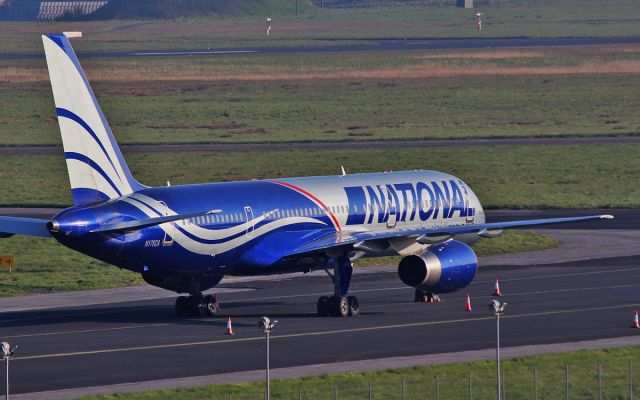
(97,170)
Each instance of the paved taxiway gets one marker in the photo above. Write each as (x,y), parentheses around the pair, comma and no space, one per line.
(398,44)
(141,340)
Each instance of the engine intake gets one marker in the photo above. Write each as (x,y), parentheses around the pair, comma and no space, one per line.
(444,267)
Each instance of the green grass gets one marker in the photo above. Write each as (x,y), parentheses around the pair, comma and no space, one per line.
(453,380)
(561,176)
(536,18)
(325,111)
(43,265)
(514,242)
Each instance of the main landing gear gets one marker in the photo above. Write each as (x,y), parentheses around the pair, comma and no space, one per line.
(339,305)
(197,305)
(422,296)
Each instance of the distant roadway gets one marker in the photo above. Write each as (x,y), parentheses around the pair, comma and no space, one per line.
(398,44)
(381,144)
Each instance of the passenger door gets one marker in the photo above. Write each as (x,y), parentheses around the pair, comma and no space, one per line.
(248,213)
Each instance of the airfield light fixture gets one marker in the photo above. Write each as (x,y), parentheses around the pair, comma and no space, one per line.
(267,325)
(497,308)
(7,354)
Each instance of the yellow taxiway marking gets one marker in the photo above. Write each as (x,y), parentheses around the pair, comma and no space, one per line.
(529,278)
(370,307)
(408,288)
(353,291)
(70,332)
(318,333)
(536,293)
(119,328)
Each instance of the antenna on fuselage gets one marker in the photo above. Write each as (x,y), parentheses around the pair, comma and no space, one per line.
(343,171)
(168,183)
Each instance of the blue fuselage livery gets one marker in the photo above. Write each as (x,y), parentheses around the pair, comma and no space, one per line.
(260,222)
(187,238)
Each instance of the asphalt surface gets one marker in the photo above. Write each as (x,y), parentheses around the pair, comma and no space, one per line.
(383,144)
(398,44)
(142,340)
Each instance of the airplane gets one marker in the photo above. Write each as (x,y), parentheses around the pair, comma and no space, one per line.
(186,238)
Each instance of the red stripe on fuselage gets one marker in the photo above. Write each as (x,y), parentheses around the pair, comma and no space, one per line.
(314,198)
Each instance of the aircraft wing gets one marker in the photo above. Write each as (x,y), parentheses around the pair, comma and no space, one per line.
(431,235)
(129,226)
(10,226)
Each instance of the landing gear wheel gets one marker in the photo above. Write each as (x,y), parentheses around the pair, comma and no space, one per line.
(211,305)
(422,296)
(182,306)
(323,306)
(340,307)
(354,306)
(196,306)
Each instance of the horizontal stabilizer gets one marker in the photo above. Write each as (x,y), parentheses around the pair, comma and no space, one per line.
(10,226)
(145,223)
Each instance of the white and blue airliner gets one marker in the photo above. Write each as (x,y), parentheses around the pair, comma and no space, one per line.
(187,238)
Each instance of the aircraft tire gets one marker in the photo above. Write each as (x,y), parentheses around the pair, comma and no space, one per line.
(182,306)
(323,306)
(197,306)
(354,306)
(210,305)
(340,307)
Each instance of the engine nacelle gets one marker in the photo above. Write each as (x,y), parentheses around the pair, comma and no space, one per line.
(444,267)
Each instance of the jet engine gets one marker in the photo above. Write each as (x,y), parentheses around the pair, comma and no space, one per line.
(443,268)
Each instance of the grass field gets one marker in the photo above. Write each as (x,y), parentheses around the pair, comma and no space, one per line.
(43,265)
(572,176)
(420,382)
(314,26)
(577,91)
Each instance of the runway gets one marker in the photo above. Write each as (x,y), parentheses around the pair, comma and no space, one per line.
(141,340)
(398,44)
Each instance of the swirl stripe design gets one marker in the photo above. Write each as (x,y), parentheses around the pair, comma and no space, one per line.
(230,238)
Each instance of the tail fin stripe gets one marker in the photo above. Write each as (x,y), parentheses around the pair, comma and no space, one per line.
(97,170)
(84,159)
(74,117)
